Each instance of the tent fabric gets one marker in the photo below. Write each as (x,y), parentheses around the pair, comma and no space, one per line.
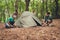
(27,19)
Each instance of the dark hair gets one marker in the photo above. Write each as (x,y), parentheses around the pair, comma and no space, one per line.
(48,12)
(15,14)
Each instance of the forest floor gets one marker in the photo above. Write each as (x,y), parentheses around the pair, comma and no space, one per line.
(33,33)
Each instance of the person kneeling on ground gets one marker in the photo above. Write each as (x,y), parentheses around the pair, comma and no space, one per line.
(10,21)
(48,19)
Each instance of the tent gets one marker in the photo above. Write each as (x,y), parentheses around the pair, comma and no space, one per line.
(27,19)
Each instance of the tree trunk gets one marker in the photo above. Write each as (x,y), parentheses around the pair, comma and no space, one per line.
(43,9)
(3,15)
(20,5)
(16,7)
(33,5)
(7,8)
(27,4)
(56,10)
(46,5)
(37,10)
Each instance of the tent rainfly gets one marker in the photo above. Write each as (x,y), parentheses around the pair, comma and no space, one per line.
(27,19)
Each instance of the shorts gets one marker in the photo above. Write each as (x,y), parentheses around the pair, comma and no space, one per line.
(49,21)
(7,25)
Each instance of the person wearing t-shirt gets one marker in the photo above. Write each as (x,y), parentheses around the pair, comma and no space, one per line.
(10,21)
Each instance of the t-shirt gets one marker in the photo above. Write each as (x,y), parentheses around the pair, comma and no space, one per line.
(48,18)
(10,20)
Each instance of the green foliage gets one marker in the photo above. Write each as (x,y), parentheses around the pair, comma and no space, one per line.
(7,7)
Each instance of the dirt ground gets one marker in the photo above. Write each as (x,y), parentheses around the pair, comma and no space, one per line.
(33,33)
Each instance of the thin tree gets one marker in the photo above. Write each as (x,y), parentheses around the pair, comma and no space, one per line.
(46,5)
(16,7)
(27,4)
(7,7)
(42,8)
(56,10)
